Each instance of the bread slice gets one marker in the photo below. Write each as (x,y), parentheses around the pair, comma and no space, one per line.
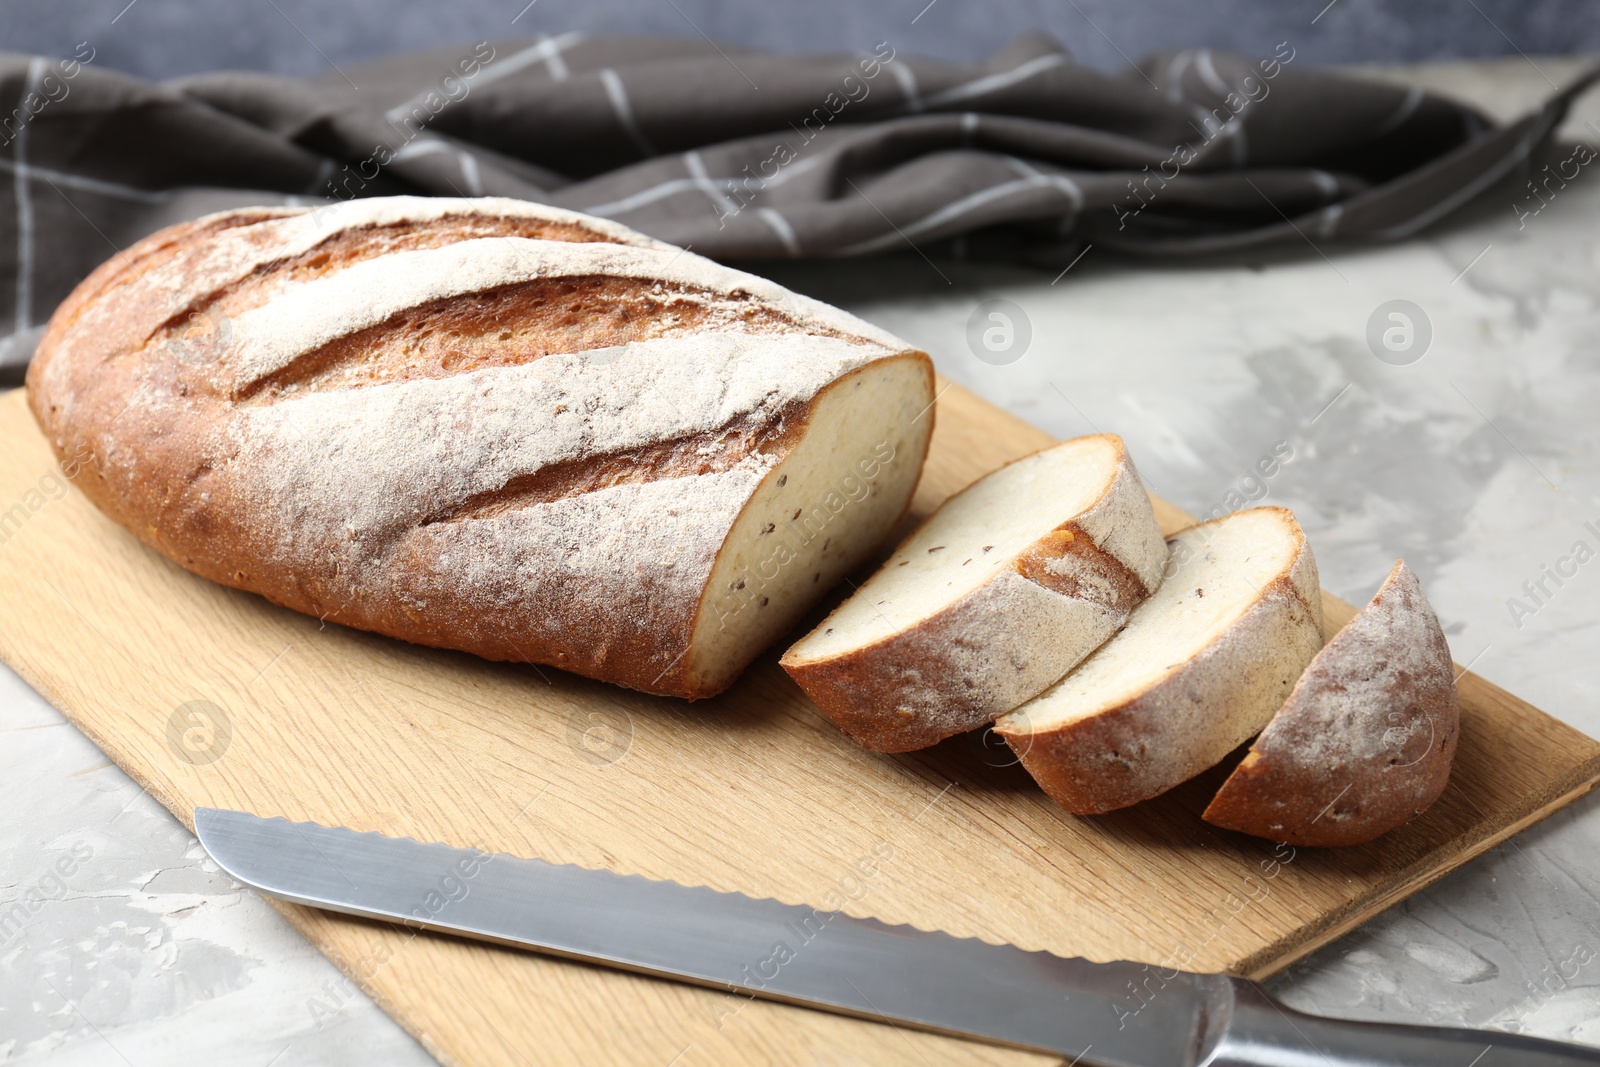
(1366,739)
(487,425)
(997,595)
(1199,668)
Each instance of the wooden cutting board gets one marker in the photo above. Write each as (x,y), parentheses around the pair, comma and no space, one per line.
(753,792)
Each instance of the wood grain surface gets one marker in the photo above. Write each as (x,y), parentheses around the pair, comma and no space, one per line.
(753,791)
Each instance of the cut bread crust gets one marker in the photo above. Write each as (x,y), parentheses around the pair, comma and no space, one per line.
(1365,741)
(486,425)
(1199,668)
(995,596)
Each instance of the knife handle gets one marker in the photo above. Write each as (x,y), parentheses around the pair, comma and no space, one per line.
(1260,1032)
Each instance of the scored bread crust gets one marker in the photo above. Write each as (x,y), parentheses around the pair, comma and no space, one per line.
(1191,714)
(482,424)
(1002,642)
(1365,741)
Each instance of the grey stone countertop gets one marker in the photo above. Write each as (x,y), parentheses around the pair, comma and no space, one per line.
(1474,453)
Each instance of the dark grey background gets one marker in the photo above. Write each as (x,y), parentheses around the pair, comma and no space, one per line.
(162,38)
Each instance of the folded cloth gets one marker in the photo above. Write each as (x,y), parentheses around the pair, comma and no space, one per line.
(748,155)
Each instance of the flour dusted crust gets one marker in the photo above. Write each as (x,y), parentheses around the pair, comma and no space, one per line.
(1199,668)
(487,425)
(1366,739)
(1042,559)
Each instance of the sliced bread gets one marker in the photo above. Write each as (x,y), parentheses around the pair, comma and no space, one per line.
(1199,669)
(997,595)
(1366,739)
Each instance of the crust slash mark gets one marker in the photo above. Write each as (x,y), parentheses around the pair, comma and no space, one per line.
(358,244)
(680,457)
(1067,561)
(518,324)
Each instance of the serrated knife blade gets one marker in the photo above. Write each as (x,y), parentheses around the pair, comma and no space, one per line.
(1111,1014)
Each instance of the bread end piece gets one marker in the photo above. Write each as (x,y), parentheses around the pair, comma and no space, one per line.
(994,597)
(1365,741)
(1198,670)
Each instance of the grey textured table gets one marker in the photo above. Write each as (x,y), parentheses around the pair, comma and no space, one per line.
(1479,462)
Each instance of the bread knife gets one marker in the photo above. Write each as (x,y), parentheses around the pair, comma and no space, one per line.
(1107,1014)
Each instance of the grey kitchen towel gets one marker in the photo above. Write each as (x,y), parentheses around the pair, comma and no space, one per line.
(747,155)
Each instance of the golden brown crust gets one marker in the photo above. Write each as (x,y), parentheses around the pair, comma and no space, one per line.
(1365,741)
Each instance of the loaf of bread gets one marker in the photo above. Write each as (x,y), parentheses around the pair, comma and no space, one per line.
(1199,669)
(999,593)
(487,425)
(1365,740)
